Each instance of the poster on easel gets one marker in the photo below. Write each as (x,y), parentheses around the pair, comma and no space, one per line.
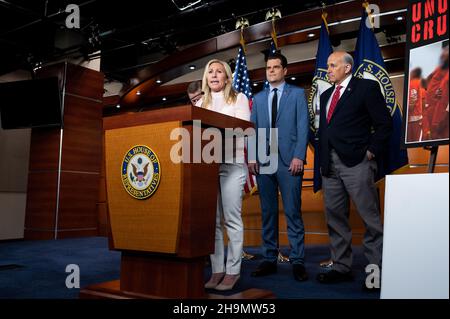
(426,106)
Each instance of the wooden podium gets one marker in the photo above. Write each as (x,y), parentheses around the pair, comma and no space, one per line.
(165,238)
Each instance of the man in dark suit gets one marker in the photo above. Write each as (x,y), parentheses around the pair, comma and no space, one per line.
(282,113)
(194,92)
(355,125)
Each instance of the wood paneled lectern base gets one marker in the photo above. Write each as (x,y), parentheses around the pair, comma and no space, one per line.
(111,290)
(147,276)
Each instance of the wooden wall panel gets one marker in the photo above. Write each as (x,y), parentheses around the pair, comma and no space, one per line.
(83,157)
(420,156)
(84,82)
(78,201)
(76,210)
(82,135)
(44,149)
(83,112)
(41,201)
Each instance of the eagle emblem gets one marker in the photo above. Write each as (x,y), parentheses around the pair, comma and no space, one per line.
(139,175)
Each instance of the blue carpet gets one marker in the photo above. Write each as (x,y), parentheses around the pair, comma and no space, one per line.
(42,273)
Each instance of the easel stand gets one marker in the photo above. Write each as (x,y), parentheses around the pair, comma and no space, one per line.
(433,157)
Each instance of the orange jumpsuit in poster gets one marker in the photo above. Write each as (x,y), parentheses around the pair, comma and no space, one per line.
(433,98)
(439,122)
(415,110)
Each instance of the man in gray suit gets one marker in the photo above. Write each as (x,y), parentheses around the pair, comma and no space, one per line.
(355,125)
(281,111)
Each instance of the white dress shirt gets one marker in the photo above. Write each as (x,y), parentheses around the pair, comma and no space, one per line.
(240,110)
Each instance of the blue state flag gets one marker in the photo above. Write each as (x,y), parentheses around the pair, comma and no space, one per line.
(320,84)
(273,49)
(369,64)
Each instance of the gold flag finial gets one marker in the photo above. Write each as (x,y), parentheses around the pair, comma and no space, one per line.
(366,6)
(324,15)
(273,14)
(242,23)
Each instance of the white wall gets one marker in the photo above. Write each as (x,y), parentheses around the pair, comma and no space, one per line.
(14,159)
(416,237)
(12,215)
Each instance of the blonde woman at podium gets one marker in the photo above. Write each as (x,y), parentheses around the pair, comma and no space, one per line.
(219,96)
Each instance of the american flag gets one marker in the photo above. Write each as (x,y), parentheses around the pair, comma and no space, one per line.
(241,83)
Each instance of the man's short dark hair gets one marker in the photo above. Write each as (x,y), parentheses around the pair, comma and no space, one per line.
(194,87)
(416,73)
(279,56)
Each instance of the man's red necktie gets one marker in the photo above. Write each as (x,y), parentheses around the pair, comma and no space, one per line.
(334,102)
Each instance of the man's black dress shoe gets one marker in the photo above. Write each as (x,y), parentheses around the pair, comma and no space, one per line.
(327,264)
(264,269)
(299,272)
(333,276)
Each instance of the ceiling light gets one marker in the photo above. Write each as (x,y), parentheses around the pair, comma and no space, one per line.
(164,99)
(183,7)
(118,106)
(399,18)
(311,35)
(293,78)
(37,66)
(255,84)
(192,67)
(158,81)
(138,93)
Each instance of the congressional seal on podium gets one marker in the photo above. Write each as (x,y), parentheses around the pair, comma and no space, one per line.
(141,172)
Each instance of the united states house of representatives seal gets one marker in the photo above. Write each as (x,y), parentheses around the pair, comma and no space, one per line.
(141,172)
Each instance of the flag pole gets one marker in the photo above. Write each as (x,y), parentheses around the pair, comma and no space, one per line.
(242,23)
(273,14)
(320,83)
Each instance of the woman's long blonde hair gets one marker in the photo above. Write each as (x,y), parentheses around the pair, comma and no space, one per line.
(229,93)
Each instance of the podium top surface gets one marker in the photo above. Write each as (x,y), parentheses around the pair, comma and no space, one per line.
(184,113)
